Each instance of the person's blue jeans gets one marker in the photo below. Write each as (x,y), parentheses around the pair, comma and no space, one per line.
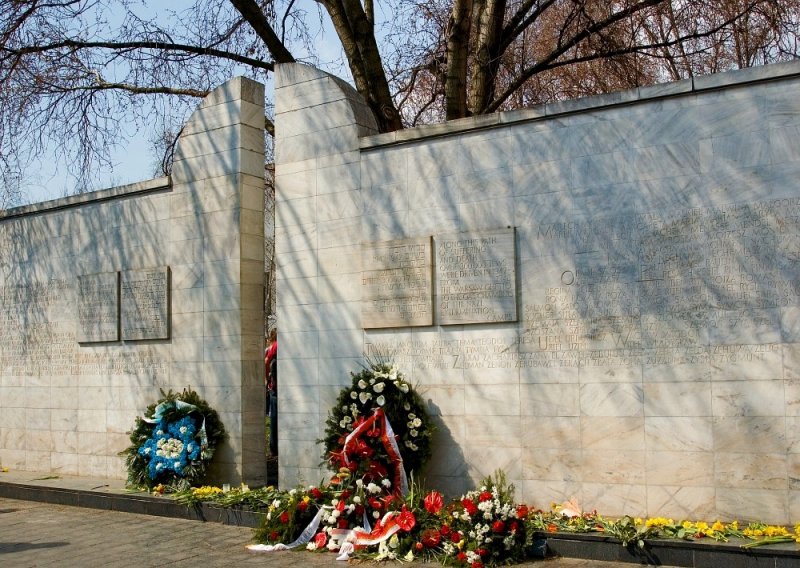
(273,423)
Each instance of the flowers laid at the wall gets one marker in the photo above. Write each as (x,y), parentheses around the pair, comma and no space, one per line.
(480,528)
(172,445)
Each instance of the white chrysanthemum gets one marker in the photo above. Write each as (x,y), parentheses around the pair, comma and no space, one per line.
(386,482)
(380,400)
(359,483)
(372,488)
(364,397)
(362,384)
(413,432)
(356,498)
(406,407)
(353,395)
(292,491)
(417,423)
(311,546)
(404,388)
(378,388)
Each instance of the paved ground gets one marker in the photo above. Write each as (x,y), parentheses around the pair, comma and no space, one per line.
(41,534)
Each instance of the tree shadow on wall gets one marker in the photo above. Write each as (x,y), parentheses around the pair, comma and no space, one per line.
(447,469)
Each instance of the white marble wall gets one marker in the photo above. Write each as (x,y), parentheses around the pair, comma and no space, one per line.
(65,408)
(675,398)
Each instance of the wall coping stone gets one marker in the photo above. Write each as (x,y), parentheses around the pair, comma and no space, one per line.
(138,188)
(728,79)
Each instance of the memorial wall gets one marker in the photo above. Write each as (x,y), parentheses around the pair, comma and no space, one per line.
(601,297)
(106,298)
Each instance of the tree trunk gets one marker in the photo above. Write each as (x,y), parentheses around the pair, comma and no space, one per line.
(455,88)
(487,54)
(355,31)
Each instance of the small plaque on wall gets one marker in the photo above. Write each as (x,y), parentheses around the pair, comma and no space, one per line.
(476,277)
(98,307)
(145,299)
(396,283)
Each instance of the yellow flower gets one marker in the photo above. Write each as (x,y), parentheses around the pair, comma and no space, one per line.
(658,522)
(638,521)
(717,526)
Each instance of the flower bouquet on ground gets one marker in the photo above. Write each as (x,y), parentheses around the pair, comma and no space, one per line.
(483,527)
(172,445)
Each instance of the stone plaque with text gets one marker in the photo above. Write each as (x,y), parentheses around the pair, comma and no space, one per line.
(396,283)
(476,277)
(98,307)
(145,303)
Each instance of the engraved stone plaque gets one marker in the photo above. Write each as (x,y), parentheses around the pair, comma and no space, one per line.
(145,304)
(476,277)
(98,307)
(396,283)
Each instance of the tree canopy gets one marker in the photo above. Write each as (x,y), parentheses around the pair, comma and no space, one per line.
(70,68)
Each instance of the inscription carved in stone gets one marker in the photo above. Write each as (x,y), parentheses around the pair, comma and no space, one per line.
(396,283)
(98,307)
(145,298)
(476,277)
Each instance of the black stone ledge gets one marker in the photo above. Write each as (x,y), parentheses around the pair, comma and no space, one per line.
(684,553)
(138,503)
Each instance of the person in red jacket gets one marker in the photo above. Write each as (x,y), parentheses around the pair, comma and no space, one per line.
(271,370)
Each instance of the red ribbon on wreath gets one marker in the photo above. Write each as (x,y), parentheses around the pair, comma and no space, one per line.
(380,426)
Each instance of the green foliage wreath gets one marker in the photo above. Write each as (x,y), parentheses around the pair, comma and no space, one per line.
(173,443)
(378,385)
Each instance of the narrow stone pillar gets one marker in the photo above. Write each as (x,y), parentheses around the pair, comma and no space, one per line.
(318,122)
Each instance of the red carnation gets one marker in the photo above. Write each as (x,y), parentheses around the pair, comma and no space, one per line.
(316,493)
(498,526)
(434,502)
(302,506)
(431,538)
(469,506)
(477,564)
(374,503)
(513,527)
(274,535)
(445,530)
(522,512)
(485,496)
(455,537)
(481,552)
(320,539)
(345,494)
(342,523)
(461,556)
(340,506)
(284,518)
(406,519)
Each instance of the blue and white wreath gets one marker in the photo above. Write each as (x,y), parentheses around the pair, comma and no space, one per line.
(173,443)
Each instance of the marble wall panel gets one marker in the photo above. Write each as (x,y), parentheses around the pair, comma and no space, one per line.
(634,374)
